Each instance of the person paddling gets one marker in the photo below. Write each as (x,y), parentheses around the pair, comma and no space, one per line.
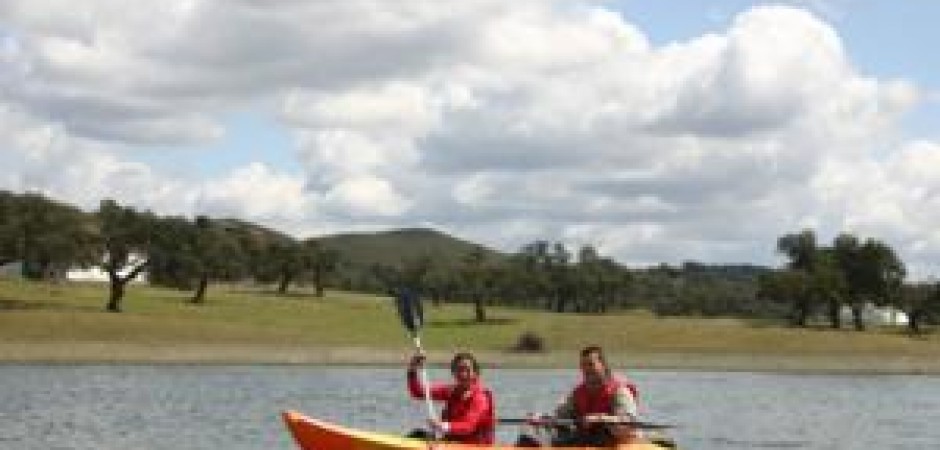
(469,412)
(596,402)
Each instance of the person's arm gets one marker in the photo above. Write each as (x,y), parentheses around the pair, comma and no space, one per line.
(439,391)
(624,404)
(624,407)
(566,408)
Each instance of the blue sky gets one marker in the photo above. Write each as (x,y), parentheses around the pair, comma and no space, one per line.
(249,137)
(659,131)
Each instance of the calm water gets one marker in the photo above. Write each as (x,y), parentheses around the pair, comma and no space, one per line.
(236,407)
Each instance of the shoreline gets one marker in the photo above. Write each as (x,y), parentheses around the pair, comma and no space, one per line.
(94,353)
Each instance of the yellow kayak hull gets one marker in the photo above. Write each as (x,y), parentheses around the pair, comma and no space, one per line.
(313,434)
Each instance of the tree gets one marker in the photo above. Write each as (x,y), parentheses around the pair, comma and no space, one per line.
(922,303)
(886,269)
(126,236)
(321,261)
(388,277)
(172,258)
(800,248)
(560,276)
(787,287)
(475,276)
(217,255)
(598,281)
(873,273)
(847,251)
(9,226)
(413,271)
(441,283)
(284,262)
(802,251)
(47,236)
(828,285)
(530,266)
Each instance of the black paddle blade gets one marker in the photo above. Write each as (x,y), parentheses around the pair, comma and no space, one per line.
(410,310)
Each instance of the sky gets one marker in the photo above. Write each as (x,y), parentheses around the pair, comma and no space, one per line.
(656,131)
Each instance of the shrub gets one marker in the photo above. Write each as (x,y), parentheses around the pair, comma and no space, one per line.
(529,342)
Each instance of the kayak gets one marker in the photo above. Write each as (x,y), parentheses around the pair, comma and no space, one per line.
(313,434)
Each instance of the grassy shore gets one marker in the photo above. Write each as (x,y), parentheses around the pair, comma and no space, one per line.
(66,323)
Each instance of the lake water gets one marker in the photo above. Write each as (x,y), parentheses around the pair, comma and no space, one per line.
(237,407)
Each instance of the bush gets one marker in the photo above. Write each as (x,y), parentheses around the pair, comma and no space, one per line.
(529,342)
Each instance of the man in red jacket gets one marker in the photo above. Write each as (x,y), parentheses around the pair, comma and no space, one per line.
(469,413)
(600,398)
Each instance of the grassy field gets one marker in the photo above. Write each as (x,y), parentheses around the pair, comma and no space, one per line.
(63,322)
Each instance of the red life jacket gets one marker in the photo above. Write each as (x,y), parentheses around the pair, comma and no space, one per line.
(457,407)
(599,401)
(470,413)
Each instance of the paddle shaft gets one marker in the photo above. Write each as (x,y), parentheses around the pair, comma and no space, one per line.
(423,377)
(412,317)
(548,422)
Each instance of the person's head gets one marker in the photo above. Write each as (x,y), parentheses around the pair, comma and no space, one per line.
(464,368)
(593,364)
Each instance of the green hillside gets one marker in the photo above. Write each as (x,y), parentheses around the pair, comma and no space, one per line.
(395,247)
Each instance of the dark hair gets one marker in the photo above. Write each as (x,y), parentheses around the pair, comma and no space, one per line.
(464,356)
(596,350)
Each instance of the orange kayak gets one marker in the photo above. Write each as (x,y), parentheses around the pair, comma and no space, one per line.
(313,434)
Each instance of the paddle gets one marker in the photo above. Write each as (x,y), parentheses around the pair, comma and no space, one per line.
(610,420)
(412,317)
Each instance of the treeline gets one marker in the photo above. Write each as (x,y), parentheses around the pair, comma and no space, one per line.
(49,237)
(549,276)
(850,272)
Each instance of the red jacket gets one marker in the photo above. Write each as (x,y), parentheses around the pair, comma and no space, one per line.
(470,414)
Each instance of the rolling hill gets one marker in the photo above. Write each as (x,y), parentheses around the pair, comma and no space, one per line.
(394,247)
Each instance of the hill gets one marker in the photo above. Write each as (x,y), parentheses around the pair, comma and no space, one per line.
(395,247)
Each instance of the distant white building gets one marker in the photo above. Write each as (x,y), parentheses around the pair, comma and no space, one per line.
(877,315)
(12,269)
(98,274)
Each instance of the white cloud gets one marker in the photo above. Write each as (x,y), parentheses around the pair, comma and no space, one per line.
(363,196)
(773,64)
(255,192)
(502,121)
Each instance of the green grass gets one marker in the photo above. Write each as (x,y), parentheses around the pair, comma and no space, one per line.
(37,317)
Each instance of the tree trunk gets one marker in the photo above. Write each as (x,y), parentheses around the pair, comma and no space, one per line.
(44,272)
(318,280)
(800,313)
(118,285)
(801,316)
(285,281)
(199,297)
(914,320)
(117,294)
(857,318)
(835,313)
(478,309)
(561,301)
